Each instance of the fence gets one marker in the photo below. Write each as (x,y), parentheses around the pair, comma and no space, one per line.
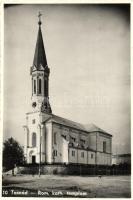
(76,169)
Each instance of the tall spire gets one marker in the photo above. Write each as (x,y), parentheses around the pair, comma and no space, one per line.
(40,55)
(40,76)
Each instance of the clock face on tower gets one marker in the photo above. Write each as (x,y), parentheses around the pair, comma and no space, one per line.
(34,104)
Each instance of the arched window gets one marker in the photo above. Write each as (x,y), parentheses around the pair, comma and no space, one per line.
(33,139)
(34,86)
(73,153)
(82,154)
(45,87)
(104,146)
(40,86)
(91,155)
(27,139)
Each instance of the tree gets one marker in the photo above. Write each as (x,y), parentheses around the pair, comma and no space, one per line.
(12,154)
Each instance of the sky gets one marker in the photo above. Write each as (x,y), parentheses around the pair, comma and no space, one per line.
(88,53)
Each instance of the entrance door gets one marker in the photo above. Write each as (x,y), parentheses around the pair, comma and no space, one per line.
(33,159)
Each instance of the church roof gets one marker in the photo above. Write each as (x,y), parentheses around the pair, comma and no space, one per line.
(67,122)
(94,128)
(40,55)
(89,128)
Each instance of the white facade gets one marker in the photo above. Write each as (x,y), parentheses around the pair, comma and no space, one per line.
(61,144)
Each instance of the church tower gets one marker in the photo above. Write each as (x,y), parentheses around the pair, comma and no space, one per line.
(40,76)
(34,129)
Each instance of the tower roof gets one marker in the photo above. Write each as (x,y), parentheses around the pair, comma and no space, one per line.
(39,56)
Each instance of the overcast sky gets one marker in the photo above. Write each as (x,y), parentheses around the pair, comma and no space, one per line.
(88,53)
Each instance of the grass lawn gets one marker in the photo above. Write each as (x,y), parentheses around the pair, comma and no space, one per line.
(70,186)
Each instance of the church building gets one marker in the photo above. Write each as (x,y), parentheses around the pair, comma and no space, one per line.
(51,139)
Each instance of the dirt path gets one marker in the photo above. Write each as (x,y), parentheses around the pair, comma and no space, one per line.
(75,186)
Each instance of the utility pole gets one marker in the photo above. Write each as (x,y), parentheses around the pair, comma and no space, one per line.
(39,170)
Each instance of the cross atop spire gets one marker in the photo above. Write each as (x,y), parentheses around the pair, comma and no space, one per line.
(40,56)
(39,16)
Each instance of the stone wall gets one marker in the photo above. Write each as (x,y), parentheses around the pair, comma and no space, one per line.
(71,169)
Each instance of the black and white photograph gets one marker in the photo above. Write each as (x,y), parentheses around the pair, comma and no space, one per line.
(66,100)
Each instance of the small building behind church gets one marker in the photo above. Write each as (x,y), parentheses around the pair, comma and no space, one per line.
(51,139)
(118,159)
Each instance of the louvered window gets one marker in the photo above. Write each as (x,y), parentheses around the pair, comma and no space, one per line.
(40,86)
(34,86)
